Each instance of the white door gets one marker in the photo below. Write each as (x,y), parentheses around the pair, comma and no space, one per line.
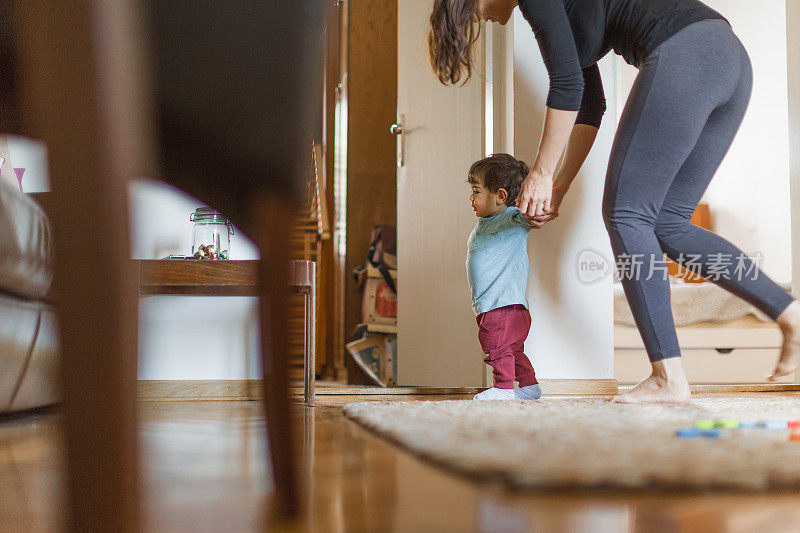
(437,333)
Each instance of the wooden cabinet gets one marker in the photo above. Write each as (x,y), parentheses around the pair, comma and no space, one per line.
(740,351)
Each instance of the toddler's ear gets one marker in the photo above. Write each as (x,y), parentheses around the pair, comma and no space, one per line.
(502,196)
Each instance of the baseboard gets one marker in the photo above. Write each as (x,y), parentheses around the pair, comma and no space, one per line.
(250,389)
(550,387)
(726,388)
(578,387)
(187,390)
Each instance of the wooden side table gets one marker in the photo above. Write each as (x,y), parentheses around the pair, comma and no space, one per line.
(234,278)
(198,278)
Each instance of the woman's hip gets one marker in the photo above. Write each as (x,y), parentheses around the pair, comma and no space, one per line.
(701,64)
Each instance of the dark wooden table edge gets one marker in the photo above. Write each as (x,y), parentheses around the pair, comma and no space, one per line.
(240,278)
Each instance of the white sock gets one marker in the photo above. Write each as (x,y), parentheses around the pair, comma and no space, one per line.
(530,392)
(495,394)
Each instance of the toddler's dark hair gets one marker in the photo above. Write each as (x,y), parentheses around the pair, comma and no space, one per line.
(499,171)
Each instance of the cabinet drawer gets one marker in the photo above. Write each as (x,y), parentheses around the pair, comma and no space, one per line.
(697,337)
(741,365)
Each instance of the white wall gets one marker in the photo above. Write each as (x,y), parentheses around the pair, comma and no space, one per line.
(188,337)
(749,196)
(198,337)
(160,223)
(793,63)
(30,155)
(572,331)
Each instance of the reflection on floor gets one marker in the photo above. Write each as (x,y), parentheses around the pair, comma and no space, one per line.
(204,469)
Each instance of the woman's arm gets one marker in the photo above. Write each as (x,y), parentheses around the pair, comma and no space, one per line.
(540,186)
(580,143)
(537,189)
(551,27)
(590,116)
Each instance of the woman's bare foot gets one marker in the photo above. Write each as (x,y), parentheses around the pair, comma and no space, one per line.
(789,360)
(667,384)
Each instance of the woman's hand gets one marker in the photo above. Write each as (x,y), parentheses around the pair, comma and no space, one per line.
(536,194)
(539,221)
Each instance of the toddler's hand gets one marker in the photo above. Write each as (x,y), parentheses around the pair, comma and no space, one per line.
(540,220)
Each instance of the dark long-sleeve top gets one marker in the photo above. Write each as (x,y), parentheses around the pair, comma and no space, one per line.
(574,34)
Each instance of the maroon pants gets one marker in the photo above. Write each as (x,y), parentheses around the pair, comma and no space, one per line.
(502,333)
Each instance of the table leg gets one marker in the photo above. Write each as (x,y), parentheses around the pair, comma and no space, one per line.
(310,347)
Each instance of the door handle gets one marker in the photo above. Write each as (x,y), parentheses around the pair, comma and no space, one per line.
(400,129)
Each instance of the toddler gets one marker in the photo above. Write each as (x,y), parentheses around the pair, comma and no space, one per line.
(497,271)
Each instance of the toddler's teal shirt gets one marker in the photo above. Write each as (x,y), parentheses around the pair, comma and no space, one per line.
(497,261)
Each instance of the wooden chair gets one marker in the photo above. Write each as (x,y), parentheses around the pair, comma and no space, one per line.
(215,98)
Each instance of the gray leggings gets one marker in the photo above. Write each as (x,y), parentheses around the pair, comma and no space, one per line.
(685,107)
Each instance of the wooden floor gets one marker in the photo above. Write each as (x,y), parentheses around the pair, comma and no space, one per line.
(204,470)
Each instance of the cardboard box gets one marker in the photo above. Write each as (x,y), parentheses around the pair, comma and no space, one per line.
(376,355)
(379,302)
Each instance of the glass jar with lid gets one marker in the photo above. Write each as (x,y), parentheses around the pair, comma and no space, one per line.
(211,236)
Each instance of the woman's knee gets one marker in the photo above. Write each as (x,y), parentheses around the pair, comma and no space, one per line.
(669,227)
(617,219)
(610,217)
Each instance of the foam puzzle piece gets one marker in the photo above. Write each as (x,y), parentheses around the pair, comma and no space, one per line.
(688,433)
(711,433)
(704,424)
(727,423)
(775,424)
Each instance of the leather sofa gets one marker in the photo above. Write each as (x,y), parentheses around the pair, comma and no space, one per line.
(28,334)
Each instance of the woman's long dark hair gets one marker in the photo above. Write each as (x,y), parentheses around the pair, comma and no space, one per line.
(451,37)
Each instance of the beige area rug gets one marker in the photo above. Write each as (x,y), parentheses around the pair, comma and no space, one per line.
(588,443)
